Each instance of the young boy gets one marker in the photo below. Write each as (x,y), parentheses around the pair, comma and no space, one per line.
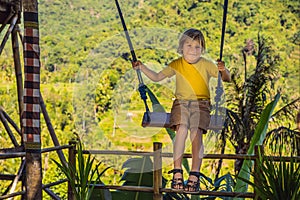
(191,108)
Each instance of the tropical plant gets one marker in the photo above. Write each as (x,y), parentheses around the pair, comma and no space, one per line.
(248,95)
(139,172)
(284,140)
(258,137)
(224,183)
(82,179)
(275,179)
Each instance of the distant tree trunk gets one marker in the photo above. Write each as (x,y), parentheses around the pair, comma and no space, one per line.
(31,115)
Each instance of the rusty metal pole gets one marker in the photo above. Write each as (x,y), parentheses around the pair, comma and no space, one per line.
(31,130)
(157,173)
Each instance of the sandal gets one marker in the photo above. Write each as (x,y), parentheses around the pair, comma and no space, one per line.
(177,183)
(191,185)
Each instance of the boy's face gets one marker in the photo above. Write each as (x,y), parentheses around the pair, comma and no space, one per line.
(191,50)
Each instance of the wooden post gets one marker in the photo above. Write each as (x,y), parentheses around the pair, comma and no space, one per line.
(10,29)
(18,71)
(72,162)
(31,129)
(51,130)
(7,128)
(157,173)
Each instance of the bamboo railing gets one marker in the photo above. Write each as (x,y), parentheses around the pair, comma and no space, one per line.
(157,156)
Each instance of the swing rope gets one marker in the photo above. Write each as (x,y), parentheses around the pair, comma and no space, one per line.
(219,88)
(142,86)
(223,28)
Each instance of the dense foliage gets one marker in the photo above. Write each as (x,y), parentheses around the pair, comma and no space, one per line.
(86,78)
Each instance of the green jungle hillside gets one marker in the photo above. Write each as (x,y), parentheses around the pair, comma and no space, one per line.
(90,88)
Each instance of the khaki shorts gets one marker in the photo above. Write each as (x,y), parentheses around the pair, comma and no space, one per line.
(192,113)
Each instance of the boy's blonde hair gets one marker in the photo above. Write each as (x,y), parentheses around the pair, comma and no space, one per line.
(193,34)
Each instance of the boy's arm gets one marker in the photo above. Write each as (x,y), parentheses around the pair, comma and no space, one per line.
(154,76)
(225,74)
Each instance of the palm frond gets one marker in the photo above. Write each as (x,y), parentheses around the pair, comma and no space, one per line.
(282,140)
(288,110)
(275,180)
(82,178)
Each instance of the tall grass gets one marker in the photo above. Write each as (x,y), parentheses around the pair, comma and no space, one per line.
(82,177)
(276,180)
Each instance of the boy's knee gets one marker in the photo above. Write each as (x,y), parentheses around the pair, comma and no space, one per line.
(197,131)
(181,128)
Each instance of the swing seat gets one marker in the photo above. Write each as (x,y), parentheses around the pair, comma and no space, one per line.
(216,122)
(156,119)
(162,119)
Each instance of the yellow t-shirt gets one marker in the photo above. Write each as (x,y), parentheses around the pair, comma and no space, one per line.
(191,79)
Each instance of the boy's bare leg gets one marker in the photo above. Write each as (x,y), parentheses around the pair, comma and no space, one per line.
(197,151)
(178,148)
